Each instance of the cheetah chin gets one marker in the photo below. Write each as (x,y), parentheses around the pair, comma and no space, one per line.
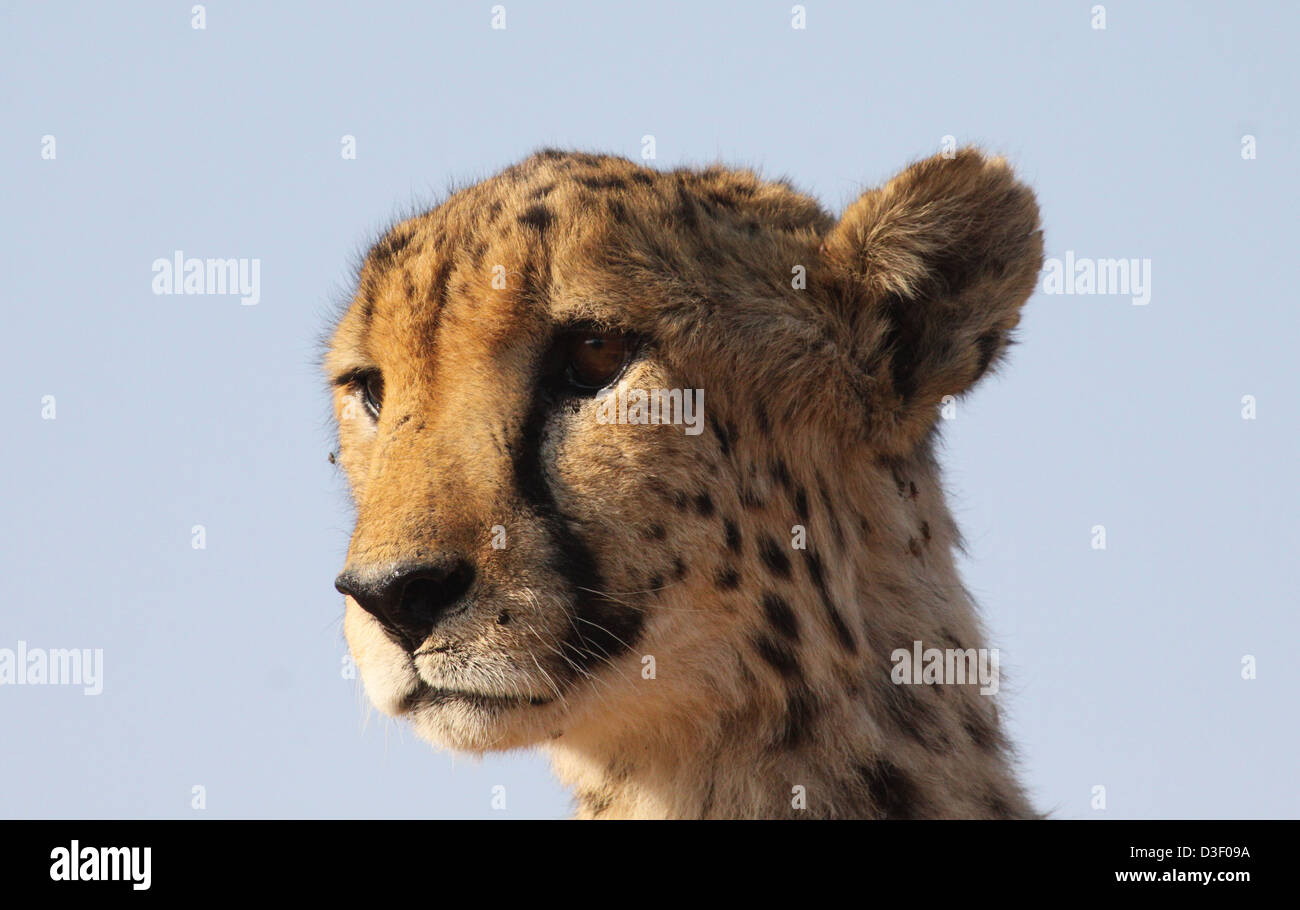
(644,473)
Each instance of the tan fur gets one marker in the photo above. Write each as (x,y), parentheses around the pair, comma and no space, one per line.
(821,405)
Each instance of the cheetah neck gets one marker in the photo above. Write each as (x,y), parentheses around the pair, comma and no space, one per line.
(788,705)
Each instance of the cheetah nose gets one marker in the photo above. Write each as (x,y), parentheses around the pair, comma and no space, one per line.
(409,599)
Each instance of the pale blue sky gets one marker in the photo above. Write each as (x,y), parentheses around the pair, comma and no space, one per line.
(222,666)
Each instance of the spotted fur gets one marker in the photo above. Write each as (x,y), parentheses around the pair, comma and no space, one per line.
(630,549)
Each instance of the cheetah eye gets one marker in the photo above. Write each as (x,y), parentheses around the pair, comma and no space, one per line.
(371,386)
(592,360)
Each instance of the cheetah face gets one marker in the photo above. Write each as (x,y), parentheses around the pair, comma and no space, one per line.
(509,543)
(521,549)
(481,601)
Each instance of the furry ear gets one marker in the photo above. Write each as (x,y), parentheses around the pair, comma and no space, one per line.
(928,274)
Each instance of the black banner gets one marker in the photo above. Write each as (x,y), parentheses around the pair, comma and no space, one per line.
(336,858)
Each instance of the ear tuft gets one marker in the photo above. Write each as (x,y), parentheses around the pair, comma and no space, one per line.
(930,272)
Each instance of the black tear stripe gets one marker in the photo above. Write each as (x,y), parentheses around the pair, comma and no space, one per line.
(600,627)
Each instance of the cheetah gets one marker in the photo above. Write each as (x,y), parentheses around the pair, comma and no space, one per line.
(692,625)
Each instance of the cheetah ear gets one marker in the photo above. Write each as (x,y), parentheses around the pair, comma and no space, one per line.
(928,273)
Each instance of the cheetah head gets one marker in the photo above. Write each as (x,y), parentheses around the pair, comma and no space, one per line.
(528,563)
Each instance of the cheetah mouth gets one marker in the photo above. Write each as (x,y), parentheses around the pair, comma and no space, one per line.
(427,696)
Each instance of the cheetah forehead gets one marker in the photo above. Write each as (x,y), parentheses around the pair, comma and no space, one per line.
(598,227)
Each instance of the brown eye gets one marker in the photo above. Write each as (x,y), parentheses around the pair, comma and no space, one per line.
(372,392)
(594,359)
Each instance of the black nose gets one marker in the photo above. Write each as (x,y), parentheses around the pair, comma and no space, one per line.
(408,598)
